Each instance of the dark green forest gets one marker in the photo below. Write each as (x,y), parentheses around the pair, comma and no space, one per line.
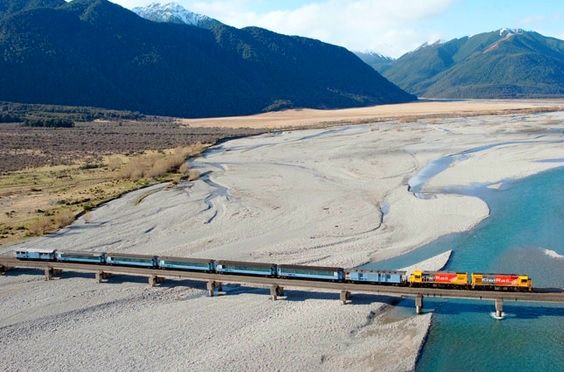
(96,53)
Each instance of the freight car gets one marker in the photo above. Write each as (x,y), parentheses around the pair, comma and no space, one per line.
(392,277)
(501,281)
(335,274)
(438,279)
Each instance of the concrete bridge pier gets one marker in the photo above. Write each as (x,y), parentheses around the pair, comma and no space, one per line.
(4,269)
(275,291)
(499,308)
(49,273)
(345,297)
(419,304)
(211,286)
(101,276)
(155,280)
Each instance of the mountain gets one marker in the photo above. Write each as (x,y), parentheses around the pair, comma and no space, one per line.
(174,13)
(8,7)
(500,64)
(96,53)
(377,61)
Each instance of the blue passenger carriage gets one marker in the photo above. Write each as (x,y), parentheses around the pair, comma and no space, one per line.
(135,260)
(188,264)
(376,276)
(36,254)
(311,272)
(245,268)
(82,257)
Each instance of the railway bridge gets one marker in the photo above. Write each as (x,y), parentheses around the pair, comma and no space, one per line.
(277,285)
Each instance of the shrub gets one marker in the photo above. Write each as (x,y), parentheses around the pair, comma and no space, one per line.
(114,163)
(87,217)
(184,169)
(64,218)
(157,165)
(40,226)
(90,164)
(193,175)
(9,118)
(49,122)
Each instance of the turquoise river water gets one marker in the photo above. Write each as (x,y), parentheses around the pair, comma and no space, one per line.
(523,234)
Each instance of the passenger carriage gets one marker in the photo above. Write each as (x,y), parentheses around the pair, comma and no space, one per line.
(134,260)
(82,257)
(245,268)
(335,274)
(188,264)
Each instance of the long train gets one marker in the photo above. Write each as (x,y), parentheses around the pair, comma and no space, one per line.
(418,278)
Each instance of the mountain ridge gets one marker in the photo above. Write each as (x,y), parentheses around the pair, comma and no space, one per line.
(377,61)
(505,63)
(99,54)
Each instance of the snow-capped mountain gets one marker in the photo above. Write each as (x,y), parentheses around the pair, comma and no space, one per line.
(378,61)
(503,32)
(505,63)
(174,13)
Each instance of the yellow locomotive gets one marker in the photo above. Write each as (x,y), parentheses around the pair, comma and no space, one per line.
(501,281)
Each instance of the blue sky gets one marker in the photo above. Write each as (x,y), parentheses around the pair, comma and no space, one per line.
(390,27)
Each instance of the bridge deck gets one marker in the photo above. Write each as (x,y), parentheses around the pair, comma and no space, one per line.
(539,295)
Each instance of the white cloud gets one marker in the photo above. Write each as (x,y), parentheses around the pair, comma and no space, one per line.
(539,20)
(389,27)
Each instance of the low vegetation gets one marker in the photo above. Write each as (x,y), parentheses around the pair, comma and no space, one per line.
(31,147)
(42,200)
(58,162)
(9,118)
(158,164)
(49,122)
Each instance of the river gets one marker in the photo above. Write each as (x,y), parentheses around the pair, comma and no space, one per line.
(524,234)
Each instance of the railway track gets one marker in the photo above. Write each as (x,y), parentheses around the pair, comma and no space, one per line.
(277,285)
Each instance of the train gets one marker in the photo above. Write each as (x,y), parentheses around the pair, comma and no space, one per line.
(417,278)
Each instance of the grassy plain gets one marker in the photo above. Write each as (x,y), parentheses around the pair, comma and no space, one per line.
(43,199)
(404,112)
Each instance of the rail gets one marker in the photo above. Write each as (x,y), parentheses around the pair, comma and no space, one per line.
(277,285)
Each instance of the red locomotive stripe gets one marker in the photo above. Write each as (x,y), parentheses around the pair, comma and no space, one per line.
(445,277)
(506,279)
